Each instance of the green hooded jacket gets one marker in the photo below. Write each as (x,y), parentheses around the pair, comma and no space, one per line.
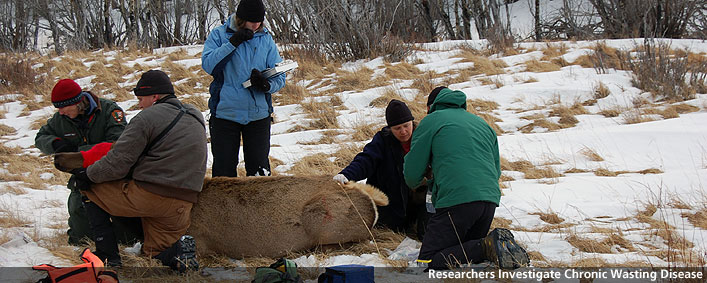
(462,150)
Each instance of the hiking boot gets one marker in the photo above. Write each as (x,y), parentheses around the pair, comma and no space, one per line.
(186,254)
(181,256)
(501,249)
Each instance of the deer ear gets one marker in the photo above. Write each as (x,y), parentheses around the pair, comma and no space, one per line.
(67,161)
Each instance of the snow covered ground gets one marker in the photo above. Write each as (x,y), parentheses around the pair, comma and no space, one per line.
(591,206)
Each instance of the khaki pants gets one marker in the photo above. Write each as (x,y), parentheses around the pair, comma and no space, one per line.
(164,219)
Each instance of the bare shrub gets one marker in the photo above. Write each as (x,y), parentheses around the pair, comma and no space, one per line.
(665,74)
(17,74)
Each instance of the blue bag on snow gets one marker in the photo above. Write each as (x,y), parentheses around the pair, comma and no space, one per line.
(347,273)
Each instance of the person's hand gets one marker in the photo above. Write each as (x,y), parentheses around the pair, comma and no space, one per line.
(240,36)
(341,179)
(60,145)
(258,81)
(82,182)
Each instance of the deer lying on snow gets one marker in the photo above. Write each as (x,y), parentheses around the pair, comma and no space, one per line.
(270,216)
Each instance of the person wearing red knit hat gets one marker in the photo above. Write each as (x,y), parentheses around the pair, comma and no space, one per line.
(83,120)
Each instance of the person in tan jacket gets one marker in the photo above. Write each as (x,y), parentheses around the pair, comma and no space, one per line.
(155,171)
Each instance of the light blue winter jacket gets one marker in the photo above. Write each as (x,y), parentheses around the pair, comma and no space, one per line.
(229,99)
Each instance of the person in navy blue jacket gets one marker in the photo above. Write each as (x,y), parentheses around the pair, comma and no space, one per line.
(235,52)
(381,163)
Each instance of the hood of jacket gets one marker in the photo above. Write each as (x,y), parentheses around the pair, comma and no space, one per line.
(448,98)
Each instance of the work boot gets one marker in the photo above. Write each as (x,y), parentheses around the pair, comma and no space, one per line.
(501,248)
(181,256)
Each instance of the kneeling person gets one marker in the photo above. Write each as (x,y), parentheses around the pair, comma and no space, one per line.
(163,154)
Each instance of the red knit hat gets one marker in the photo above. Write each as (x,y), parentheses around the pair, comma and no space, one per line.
(66,92)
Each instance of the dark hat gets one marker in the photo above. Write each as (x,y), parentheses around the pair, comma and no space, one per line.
(66,92)
(153,82)
(397,113)
(433,94)
(251,10)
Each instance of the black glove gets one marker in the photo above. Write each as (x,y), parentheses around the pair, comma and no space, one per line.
(258,81)
(81,180)
(61,145)
(241,35)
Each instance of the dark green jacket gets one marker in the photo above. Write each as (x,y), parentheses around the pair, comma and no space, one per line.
(104,124)
(462,150)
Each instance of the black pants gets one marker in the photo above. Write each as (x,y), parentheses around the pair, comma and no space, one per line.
(225,143)
(453,235)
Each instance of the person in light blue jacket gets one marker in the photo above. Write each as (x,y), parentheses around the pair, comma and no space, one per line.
(235,52)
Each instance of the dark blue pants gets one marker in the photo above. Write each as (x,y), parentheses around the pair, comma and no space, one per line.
(453,235)
(225,143)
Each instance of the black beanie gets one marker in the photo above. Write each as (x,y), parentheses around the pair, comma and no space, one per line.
(397,113)
(153,82)
(433,95)
(251,10)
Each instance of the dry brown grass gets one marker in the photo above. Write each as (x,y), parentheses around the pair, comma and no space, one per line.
(315,164)
(603,172)
(7,130)
(11,216)
(551,51)
(345,154)
(604,246)
(529,170)
(500,222)
(364,131)
(697,219)
(388,94)
(291,94)
(575,170)
(12,189)
(610,113)
(682,108)
(536,66)
(482,105)
(321,115)
(355,80)
(402,70)
(662,229)
(601,91)
(636,116)
(425,82)
(482,64)
(540,123)
(549,217)
(591,154)
(199,102)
